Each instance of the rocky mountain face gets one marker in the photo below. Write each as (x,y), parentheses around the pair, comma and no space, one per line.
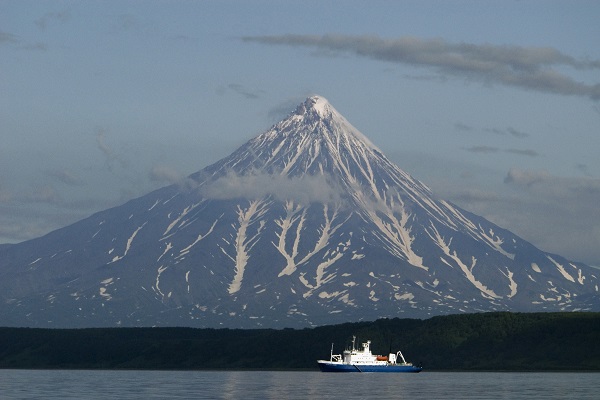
(306,224)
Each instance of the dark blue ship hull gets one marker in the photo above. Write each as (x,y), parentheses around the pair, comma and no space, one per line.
(326,366)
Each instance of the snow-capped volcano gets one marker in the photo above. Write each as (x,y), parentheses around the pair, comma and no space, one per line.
(306,224)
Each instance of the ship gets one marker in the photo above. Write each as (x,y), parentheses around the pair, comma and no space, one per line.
(362,360)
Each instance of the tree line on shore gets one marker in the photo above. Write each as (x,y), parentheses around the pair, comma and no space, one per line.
(486,341)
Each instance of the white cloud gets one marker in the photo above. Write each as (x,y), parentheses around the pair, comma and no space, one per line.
(163,173)
(303,190)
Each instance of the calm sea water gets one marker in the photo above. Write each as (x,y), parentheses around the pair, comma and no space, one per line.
(63,384)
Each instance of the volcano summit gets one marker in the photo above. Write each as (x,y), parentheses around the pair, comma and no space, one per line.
(306,224)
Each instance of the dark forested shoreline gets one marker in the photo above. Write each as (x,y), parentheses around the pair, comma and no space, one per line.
(487,341)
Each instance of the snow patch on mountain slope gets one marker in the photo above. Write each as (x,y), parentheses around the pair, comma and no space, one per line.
(393,229)
(244,240)
(328,228)
(512,285)
(406,297)
(156,286)
(168,247)
(129,242)
(177,220)
(103,291)
(200,237)
(562,270)
(467,271)
(285,224)
(320,277)
(477,232)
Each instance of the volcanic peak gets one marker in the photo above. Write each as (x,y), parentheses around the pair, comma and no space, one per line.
(323,119)
(303,225)
(317,104)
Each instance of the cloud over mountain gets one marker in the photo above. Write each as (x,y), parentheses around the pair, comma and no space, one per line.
(533,68)
(256,184)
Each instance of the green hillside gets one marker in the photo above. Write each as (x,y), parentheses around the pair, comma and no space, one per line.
(488,341)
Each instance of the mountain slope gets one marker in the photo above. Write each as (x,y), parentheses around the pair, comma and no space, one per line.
(306,224)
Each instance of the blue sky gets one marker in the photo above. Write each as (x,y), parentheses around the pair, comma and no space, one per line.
(493,104)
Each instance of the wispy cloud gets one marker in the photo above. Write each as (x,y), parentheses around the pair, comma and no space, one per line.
(559,214)
(577,192)
(562,205)
(27,218)
(16,42)
(303,190)
(164,174)
(125,22)
(482,149)
(460,126)
(516,133)
(15,229)
(45,194)
(583,168)
(8,38)
(523,152)
(67,177)
(184,39)
(533,68)
(242,90)
(508,131)
(5,196)
(491,150)
(111,156)
(51,17)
